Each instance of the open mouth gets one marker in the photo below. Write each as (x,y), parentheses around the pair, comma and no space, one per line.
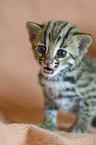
(48,70)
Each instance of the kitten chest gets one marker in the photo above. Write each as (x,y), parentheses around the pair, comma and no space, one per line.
(61,93)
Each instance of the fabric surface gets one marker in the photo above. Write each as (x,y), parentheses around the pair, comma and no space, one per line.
(27,134)
(21,97)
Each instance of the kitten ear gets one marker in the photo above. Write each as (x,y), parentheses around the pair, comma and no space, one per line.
(34,30)
(84,40)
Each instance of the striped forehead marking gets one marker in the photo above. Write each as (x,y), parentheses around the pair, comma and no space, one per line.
(55,34)
(66,35)
(45,33)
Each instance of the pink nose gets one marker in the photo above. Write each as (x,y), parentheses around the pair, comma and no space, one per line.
(48,62)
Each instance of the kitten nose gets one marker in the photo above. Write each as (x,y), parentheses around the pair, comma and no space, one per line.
(48,62)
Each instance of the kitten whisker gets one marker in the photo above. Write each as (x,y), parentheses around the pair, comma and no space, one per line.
(29,76)
(28,67)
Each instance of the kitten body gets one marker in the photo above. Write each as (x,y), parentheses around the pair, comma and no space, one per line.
(67,75)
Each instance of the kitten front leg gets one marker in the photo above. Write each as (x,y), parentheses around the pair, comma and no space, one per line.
(84,118)
(50,119)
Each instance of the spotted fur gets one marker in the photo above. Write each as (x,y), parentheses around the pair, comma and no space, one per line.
(67,75)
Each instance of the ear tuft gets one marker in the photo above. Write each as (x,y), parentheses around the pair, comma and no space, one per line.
(33,30)
(84,41)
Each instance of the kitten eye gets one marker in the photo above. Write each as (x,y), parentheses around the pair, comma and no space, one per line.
(41,49)
(61,53)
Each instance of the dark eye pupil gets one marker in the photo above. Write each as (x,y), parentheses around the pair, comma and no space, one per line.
(61,53)
(41,49)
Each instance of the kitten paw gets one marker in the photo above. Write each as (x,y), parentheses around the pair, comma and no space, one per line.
(51,128)
(78,129)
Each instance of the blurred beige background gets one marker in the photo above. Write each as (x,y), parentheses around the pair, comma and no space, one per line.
(20,93)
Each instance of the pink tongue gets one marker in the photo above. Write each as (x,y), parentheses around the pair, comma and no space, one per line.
(48,70)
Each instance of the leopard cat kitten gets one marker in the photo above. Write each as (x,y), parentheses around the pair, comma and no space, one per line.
(67,75)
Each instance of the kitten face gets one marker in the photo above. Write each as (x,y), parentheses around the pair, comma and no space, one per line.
(53,60)
(57,45)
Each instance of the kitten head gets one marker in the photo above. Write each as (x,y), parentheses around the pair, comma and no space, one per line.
(57,45)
